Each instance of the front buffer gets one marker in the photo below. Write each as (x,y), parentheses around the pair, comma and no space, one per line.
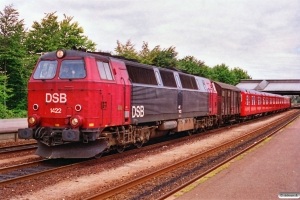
(72,150)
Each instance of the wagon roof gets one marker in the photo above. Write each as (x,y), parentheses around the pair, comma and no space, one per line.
(227,86)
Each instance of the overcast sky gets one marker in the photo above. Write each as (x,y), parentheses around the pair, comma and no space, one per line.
(261,37)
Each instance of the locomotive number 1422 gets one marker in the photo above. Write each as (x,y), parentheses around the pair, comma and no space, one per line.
(55,110)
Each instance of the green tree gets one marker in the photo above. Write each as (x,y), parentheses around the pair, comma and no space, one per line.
(157,56)
(166,57)
(71,35)
(223,74)
(43,37)
(240,74)
(193,66)
(12,56)
(126,50)
(5,93)
(147,56)
(50,35)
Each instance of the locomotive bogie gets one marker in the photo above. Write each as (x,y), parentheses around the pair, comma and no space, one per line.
(126,136)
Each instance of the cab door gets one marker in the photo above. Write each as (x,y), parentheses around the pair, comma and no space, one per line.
(122,93)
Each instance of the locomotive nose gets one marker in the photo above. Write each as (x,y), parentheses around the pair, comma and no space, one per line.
(72,150)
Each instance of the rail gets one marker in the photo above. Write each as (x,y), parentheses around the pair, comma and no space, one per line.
(128,186)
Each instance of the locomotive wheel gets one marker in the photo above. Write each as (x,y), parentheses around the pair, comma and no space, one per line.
(99,155)
(120,149)
(139,144)
(189,132)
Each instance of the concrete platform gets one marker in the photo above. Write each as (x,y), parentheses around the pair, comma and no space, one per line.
(9,128)
(12,125)
(261,174)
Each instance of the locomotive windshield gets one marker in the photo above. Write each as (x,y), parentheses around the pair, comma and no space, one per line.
(72,69)
(45,70)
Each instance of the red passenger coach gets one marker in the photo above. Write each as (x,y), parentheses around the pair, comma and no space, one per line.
(254,103)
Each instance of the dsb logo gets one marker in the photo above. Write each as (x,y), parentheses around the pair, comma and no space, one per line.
(56,97)
(138,111)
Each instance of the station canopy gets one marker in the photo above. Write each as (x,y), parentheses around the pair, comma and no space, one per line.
(282,87)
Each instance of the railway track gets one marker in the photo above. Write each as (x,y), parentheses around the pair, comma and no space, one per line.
(34,171)
(17,148)
(26,171)
(167,181)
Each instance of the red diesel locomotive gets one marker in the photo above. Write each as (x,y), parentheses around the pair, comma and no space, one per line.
(81,104)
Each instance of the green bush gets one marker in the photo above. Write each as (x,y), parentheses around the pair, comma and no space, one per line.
(7,114)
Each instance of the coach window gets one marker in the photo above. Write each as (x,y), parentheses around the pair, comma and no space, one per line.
(104,70)
(247,100)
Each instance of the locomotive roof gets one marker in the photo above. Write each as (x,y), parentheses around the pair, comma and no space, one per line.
(74,53)
(104,55)
(82,53)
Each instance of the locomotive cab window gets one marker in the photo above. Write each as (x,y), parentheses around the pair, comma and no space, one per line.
(46,69)
(104,71)
(72,69)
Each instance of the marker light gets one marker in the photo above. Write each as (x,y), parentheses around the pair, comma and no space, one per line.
(78,107)
(35,106)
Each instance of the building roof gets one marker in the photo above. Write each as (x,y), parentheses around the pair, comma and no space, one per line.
(283,87)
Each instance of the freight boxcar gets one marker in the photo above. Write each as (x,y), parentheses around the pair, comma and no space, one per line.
(229,98)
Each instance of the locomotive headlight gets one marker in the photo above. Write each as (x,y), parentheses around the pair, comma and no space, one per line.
(60,53)
(76,121)
(33,120)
